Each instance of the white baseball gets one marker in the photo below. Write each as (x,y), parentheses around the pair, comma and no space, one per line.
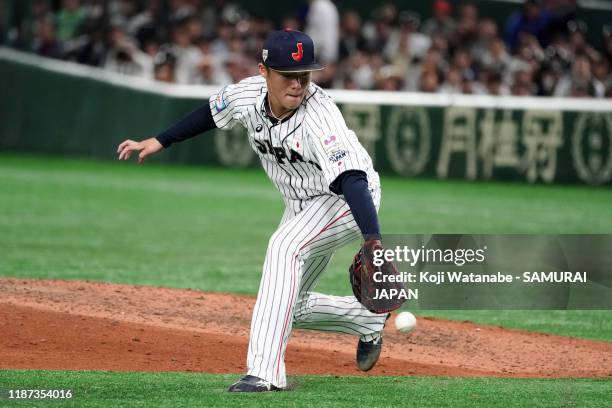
(405,322)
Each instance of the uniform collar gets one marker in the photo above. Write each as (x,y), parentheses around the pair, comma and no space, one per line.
(260,103)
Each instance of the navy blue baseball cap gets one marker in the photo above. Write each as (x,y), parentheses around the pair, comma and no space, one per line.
(289,51)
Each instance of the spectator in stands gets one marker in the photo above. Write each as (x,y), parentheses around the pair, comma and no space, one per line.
(401,60)
(187,55)
(210,73)
(378,32)
(527,59)
(495,57)
(145,24)
(580,82)
(323,26)
(180,9)
(442,22)
(462,61)
(212,70)
(473,87)
(22,37)
(429,81)
(549,74)
(433,63)
(164,64)
(347,82)
(577,40)
(494,83)
(235,67)
(379,67)
(125,11)
(124,56)
(453,83)
(487,33)
(351,38)
(151,46)
(326,78)
(360,71)
(466,32)
(388,79)
(45,41)
(220,44)
(523,83)
(533,19)
(547,50)
(91,47)
(407,41)
(69,19)
(440,43)
(601,71)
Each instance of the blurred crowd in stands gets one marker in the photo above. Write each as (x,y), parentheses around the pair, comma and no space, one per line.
(541,50)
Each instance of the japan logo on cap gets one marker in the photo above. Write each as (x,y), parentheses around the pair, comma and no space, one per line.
(289,51)
(297,56)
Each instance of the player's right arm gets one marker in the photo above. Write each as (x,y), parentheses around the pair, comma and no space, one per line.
(222,111)
(144,148)
(195,123)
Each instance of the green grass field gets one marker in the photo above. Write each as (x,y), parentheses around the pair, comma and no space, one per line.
(102,389)
(208,228)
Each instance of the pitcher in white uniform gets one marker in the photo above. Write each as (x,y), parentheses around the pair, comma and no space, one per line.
(331,194)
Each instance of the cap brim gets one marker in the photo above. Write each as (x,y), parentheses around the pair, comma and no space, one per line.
(305,68)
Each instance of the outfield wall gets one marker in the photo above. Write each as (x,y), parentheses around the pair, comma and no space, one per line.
(58,107)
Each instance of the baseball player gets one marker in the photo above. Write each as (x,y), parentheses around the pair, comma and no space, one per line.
(331,194)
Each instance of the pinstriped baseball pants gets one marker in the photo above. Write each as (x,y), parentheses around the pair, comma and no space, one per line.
(297,253)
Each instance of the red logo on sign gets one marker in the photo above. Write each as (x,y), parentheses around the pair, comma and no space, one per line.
(297,56)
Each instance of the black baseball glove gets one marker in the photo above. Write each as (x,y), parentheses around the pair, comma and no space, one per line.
(377,297)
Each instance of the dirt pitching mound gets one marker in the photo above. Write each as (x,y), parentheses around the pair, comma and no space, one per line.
(73,325)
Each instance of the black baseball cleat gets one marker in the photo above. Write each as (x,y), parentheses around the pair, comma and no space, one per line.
(368,353)
(250,383)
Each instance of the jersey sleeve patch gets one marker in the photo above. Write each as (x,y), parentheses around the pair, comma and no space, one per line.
(334,149)
(337,156)
(220,103)
(331,143)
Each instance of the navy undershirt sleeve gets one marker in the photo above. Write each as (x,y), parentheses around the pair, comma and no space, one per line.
(196,122)
(354,185)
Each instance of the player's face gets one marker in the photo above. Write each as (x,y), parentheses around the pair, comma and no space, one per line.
(285,90)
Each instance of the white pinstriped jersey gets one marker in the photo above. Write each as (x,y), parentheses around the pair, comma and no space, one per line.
(302,154)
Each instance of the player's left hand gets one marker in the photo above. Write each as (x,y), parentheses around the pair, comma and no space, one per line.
(366,286)
(146,148)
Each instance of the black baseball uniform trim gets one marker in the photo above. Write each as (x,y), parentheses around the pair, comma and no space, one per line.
(196,122)
(353,184)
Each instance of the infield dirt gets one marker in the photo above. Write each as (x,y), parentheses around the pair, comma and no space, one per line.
(76,325)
